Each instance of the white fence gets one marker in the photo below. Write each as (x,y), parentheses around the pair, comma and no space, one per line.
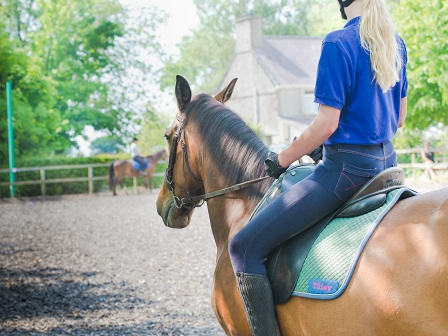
(43,181)
(440,162)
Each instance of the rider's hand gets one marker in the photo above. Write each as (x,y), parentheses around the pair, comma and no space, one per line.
(316,154)
(272,166)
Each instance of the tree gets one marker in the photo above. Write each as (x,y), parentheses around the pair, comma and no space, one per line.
(105,144)
(151,138)
(35,121)
(71,63)
(323,17)
(424,28)
(205,54)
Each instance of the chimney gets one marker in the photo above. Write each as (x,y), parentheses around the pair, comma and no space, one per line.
(249,34)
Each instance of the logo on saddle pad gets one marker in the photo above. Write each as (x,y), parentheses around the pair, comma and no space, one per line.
(319,286)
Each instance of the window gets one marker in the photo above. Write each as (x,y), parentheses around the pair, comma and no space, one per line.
(309,106)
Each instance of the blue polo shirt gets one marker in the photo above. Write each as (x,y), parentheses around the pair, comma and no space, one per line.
(345,81)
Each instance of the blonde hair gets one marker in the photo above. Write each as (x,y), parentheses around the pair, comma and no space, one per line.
(377,34)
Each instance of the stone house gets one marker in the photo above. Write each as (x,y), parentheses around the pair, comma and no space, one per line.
(276,78)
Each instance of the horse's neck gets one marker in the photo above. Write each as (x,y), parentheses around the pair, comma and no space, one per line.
(230,212)
(228,215)
(155,156)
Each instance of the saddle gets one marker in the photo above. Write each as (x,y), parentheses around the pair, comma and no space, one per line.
(285,262)
(137,166)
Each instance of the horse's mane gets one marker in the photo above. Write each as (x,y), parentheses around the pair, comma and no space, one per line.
(229,141)
(155,154)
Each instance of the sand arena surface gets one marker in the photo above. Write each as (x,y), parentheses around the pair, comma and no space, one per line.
(103,265)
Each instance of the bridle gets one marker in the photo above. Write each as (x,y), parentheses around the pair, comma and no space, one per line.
(191,202)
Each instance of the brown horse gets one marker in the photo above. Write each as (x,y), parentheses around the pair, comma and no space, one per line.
(400,285)
(120,169)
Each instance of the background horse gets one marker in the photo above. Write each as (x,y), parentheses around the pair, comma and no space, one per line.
(120,169)
(400,284)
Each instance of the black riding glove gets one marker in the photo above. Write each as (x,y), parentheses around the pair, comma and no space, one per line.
(272,166)
(316,154)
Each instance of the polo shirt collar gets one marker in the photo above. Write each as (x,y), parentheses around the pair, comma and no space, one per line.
(353,21)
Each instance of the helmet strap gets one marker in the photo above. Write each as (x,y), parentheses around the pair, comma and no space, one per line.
(342,5)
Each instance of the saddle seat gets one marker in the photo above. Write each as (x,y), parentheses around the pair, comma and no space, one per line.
(285,262)
(137,166)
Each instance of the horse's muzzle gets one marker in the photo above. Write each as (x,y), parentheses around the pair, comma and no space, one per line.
(172,216)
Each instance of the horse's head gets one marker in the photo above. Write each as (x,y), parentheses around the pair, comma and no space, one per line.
(183,178)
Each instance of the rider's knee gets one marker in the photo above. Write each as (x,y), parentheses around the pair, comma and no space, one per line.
(237,248)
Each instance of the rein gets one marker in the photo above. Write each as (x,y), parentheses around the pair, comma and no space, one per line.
(191,202)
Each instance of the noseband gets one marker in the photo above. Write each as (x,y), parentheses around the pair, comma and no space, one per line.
(191,202)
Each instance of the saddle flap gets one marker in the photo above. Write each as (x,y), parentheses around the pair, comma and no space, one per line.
(363,206)
(293,175)
(286,261)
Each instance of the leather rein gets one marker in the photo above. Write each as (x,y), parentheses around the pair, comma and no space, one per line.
(191,202)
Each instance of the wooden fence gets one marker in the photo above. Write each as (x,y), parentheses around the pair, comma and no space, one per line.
(43,181)
(440,162)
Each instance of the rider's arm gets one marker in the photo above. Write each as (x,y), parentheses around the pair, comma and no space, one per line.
(324,125)
(403,110)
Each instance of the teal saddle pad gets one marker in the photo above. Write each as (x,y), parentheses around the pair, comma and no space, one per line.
(332,259)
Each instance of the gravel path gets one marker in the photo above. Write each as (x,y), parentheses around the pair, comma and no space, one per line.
(103,265)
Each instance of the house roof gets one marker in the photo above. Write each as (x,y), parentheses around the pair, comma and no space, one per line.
(290,60)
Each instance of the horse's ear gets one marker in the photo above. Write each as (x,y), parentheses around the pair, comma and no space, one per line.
(183,93)
(226,93)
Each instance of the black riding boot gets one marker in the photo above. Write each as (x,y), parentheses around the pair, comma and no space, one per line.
(258,303)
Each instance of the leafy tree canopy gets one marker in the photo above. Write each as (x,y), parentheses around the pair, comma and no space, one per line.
(205,54)
(106,145)
(424,28)
(73,63)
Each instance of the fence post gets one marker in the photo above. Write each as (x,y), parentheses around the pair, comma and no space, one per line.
(12,171)
(90,174)
(414,171)
(42,184)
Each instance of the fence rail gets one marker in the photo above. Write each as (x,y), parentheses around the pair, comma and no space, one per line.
(440,163)
(43,181)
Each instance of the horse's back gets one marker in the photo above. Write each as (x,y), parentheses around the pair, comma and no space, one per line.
(121,163)
(400,285)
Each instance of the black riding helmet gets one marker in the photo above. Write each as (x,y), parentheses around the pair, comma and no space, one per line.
(342,5)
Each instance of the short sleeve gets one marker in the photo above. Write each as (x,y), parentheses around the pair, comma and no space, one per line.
(333,77)
(404,79)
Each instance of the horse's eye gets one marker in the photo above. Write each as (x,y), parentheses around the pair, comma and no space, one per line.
(167,137)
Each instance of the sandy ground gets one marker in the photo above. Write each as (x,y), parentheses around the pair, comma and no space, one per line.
(103,265)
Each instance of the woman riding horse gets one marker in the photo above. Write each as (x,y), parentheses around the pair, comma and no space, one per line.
(399,285)
(119,169)
(361,90)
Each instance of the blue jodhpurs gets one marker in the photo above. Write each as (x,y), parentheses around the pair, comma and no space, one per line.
(342,172)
